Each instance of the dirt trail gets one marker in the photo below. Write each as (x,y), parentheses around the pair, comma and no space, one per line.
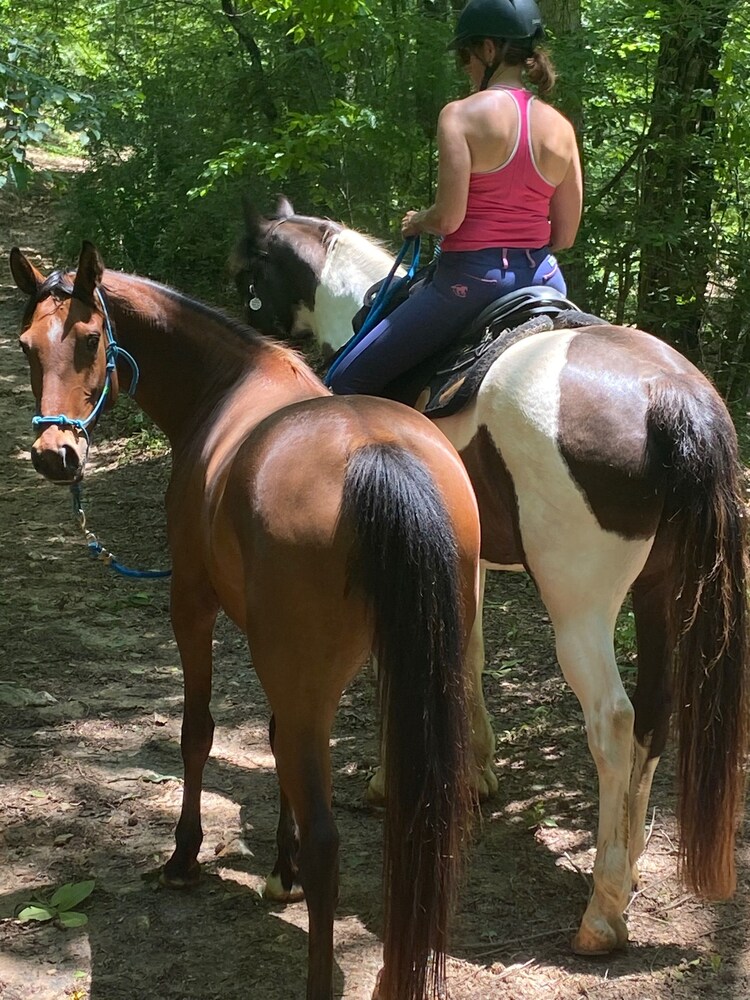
(90,766)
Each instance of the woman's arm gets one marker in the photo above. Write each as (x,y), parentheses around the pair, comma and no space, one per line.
(566,205)
(454,168)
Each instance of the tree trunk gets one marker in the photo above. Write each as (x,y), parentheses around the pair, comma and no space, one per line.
(562,22)
(677,182)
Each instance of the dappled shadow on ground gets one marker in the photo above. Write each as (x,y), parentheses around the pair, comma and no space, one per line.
(91,770)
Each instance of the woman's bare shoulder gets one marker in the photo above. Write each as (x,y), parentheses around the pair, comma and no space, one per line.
(551,118)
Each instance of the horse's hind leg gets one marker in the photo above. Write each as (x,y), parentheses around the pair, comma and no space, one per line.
(651,700)
(282,885)
(193,622)
(304,768)
(583,602)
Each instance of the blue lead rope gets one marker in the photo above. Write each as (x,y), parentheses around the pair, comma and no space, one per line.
(97,550)
(385,293)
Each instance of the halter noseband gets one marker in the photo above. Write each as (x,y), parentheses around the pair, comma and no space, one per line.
(113,352)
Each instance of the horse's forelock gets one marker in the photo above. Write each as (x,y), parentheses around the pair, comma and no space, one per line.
(57,283)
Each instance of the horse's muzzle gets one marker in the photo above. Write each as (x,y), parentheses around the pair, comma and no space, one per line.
(59,455)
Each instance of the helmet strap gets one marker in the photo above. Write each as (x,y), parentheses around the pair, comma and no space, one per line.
(491,68)
(489,72)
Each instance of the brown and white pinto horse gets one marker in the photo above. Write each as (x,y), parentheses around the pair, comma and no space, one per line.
(325,528)
(603,462)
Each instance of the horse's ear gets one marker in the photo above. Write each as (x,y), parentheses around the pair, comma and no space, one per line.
(253,219)
(284,207)
(89,272)
(25,275)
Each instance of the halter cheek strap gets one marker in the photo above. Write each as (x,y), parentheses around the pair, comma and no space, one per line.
(113,352)
(254,301)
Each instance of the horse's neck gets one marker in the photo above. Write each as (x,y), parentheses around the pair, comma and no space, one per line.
(353,265)
(192,363)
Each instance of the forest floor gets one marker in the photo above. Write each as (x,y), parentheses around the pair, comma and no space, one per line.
(90,705)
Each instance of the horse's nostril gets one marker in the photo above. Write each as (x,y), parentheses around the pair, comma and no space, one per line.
(70,459)
(61,464)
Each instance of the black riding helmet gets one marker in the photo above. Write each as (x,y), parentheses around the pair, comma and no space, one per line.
(512,20)
(516,21)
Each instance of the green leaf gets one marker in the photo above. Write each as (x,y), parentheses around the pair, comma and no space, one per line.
(36,913)
(72,919)
(71,894)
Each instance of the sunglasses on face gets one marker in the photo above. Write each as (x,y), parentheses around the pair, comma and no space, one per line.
(463,56)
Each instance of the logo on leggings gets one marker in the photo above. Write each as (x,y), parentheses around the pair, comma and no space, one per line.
(460,290)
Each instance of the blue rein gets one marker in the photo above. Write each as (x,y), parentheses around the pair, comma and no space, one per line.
(113,352)
(385,293)
(97,550)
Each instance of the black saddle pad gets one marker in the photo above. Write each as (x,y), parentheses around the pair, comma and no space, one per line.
(452,377)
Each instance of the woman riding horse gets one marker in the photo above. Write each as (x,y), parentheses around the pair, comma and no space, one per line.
(509,193)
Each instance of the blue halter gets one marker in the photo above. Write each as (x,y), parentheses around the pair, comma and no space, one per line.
(113,352)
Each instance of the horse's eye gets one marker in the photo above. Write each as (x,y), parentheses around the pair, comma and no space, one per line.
(92,342)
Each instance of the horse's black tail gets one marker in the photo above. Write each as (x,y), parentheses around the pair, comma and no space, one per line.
(709,624)
(407,564)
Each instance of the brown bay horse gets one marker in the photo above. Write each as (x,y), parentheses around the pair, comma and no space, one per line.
(603,462)
(325,528)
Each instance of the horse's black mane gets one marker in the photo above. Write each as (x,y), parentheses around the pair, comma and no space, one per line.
(246,333)
(58,283)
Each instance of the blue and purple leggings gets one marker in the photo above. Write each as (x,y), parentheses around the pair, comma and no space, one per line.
(464,284)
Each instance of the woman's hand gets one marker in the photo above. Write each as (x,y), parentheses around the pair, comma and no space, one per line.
(410,224)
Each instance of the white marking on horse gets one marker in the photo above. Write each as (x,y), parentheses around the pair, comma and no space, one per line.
(519,402)
(352,265)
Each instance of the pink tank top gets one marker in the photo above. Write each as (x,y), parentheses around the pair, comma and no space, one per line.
(509,206)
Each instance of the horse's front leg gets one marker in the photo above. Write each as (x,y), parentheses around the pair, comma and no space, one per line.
(194,611)
(483,778)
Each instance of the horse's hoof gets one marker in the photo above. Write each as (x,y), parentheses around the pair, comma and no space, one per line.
(171,878)
(484,784)
(600,937)
(275,892)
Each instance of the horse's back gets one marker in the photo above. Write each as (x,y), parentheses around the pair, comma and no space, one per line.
(565,419)
(585,399)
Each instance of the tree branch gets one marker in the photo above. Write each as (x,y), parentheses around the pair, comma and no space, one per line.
(251,47)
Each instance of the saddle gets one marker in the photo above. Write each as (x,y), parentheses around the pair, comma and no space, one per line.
(452,377)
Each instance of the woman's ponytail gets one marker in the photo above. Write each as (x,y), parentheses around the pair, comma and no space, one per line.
(541,71)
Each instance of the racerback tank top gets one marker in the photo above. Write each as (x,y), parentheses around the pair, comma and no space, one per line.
(508,206)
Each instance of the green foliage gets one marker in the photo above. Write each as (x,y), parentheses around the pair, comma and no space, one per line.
(188,107)
(35,99)
(60,906)
(536,816)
